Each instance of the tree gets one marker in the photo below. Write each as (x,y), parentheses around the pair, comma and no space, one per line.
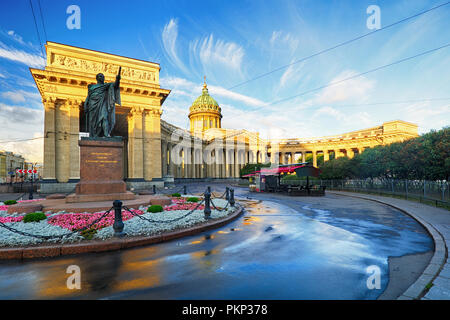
(424,157)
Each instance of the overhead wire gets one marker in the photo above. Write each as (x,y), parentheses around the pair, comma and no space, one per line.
(339,45)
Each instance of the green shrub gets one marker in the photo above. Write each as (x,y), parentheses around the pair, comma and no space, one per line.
(192,199)
(176,195)
(88,234)
(34,217)
(9,202)
(155,208)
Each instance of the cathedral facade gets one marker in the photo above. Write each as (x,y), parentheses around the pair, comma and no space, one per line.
(156,151)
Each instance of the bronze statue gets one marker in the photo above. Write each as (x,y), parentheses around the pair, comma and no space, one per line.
(100,106)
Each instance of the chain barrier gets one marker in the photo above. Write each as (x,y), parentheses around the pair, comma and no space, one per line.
(223,209)
(23,233)
(220,197)
(165,221)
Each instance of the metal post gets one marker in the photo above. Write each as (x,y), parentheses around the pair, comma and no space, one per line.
(443,191)
(30,197)
(184,190)
(424,191)
(207,209)
(232,202)
(227,193)
(118,223)
(406,188)
(154,189)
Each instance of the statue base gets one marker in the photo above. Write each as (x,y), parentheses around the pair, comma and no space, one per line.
(73,198)
(101,171)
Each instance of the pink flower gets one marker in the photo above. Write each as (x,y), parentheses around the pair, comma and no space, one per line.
(21,201)
(11,219)
(73,221)
(184,206)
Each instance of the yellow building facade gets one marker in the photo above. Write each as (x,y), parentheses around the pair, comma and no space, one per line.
(156,151)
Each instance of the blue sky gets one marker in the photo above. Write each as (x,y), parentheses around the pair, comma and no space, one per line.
(233,41)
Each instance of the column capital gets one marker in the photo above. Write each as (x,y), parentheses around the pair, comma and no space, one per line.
(49,99)
(153,112)
(136,110)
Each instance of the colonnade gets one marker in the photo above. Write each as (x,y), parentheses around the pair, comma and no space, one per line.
(202,160)
(288,157)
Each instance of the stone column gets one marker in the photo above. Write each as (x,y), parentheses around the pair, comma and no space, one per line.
(135,144)
(49,139)
(314,158)
(337,153)
(193,165)
(350,153)
(236,164)
(326,156)
(217,162)
(62,149)
(152,143)
(172,166)
(186,155)
(223,165)
(303,156)
(164,157)
(74,171)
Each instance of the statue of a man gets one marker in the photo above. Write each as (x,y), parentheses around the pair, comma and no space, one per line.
(100,106)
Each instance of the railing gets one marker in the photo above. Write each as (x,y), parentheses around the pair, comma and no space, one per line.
(18,187)
(435,192)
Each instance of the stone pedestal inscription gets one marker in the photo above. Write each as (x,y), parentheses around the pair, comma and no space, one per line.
(101,171)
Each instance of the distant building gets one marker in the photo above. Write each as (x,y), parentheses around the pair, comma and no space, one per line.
(9,162)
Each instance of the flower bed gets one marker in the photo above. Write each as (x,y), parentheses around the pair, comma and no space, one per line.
(62,223)
(25,201)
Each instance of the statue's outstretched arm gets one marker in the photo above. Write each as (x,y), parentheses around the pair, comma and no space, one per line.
(117,83)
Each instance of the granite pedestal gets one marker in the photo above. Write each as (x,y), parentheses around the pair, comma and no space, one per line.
(101,171)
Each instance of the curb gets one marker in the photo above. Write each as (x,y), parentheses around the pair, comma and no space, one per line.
(418,289)
(48,251)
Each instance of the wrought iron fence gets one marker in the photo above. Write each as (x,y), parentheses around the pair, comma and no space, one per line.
(425,191)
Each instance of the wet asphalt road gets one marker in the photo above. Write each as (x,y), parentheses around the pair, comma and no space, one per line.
(280,248)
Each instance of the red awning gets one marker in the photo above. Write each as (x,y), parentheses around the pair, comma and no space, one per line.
(273,171)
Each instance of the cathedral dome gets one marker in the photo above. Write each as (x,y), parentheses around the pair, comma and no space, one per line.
(205,112)
(204,101)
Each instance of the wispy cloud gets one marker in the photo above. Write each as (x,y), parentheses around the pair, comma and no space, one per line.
(281,40)
(292,75)
(186,86)
(16,37)
(225,93)
(20,96)
(169,39)
(218,53)
(355,90)
(16,55)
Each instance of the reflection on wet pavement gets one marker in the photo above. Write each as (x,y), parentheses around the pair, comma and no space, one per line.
(272,252)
